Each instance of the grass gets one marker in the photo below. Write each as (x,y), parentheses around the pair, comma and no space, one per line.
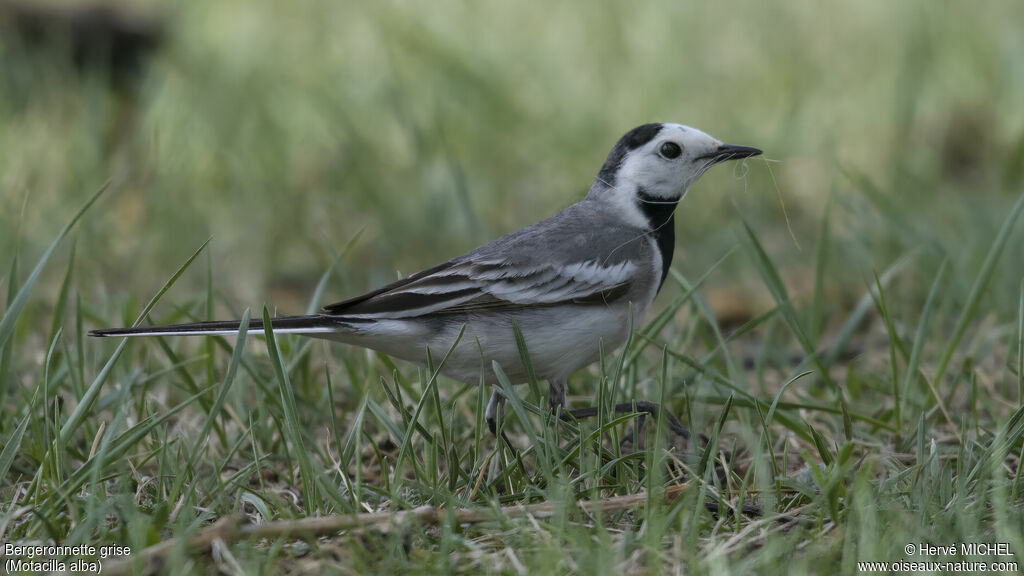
(860,382)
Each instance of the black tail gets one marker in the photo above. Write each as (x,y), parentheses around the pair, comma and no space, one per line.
(316,324)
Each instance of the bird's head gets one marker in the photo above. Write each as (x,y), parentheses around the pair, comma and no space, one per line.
(659,162)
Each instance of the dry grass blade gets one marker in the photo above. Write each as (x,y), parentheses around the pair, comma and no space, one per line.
(232,528)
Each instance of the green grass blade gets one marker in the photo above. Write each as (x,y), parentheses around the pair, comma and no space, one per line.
(14,442)
(1020,347)
(778,396)
(735,374)
(1003,441)
(821,445)
(921,336)
(291,417)
(62,297)
(211,348)
(318,292)
(7,350)
(394,397)
(351,450)
(124,442)
(524,357)
(890,329)
(86,402)
(766,420)
(382,416)
(665,316)
(225,387)
(513,400)
(863,306)
(708,456)
(21,297)
(771,277)
(820,264)
(988,268)
(431,383)
(787,421)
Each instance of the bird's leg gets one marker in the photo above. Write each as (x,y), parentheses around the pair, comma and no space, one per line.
(642,406)
(556,397)
(496,402)
(495,413)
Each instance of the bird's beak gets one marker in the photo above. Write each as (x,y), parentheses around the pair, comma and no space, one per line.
(730,152)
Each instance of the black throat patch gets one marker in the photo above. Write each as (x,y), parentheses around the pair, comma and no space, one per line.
(660,214)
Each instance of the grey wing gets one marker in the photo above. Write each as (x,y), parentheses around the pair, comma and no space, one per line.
(542,265)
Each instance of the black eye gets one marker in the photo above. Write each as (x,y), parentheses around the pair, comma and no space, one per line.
(671,150)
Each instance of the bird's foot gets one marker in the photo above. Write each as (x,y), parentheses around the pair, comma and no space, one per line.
(645,409)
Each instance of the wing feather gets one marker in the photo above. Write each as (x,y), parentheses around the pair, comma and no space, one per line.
(476,286)
(582,255)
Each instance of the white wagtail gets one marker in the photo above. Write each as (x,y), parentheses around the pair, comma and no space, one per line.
(570,282)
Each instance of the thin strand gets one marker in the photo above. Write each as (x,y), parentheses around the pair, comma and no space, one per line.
(782,202)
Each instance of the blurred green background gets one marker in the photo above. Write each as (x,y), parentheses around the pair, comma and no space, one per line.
(892,131)
(284,129)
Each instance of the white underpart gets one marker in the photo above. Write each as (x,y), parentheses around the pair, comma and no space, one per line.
(559,341)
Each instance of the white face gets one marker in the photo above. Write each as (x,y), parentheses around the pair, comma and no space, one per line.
(670,163)
(655,164)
